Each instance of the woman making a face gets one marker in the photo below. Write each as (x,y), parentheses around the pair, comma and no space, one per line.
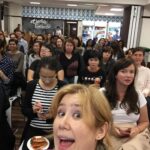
(82,119)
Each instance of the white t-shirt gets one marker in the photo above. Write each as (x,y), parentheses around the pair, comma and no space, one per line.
(120,116)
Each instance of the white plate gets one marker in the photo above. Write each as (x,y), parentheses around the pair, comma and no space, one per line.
(30,147)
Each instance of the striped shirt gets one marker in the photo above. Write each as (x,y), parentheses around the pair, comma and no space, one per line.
(45,98)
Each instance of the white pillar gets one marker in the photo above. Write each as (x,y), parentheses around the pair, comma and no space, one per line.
(134,27)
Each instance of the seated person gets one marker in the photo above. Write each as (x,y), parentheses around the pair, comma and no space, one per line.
(92,74)
(129,109)
(7,69)
(142,79)
(38,99)
(82,119)
(33,71)
(106,61)
(18,59)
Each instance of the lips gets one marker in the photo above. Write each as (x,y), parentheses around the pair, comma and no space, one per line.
(128,81)
(65,142)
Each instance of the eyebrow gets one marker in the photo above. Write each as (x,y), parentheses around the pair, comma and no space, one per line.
(72,105)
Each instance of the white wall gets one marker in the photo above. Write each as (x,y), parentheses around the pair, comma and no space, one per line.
(145,29)
(15,16)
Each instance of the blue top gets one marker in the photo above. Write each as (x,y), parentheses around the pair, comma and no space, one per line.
(7,67)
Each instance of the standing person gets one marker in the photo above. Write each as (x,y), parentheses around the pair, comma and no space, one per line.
(70,61)
(38,99)
(22,43)
(92,74)
(129,108)
(82,119)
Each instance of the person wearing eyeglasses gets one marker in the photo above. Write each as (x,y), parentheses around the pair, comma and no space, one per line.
(38,99)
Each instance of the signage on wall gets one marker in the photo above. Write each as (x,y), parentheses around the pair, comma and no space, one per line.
(40,24)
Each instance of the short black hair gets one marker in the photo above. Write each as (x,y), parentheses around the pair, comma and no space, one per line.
(93,54)
(49,63)
(138,49)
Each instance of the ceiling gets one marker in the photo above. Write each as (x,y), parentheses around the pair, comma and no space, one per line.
(101,7)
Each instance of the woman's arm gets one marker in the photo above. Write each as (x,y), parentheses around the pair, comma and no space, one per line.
(27,109)
(60,75)
(30,75)
(143,122)
(3,76)
(20,63)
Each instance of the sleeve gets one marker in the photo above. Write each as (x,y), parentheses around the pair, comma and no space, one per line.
(11,70)
(146,90)
(33,65)
(20,63)
(142,100)
(26,103)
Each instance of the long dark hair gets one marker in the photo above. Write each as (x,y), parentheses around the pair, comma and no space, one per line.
(130,100)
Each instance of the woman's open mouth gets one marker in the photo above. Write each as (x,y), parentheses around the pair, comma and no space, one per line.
(65,143)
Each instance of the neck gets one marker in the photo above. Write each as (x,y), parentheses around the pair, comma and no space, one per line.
(105,60)
(138,65)
(49,86)
(93,69)
(121,90)
(68,55)
(13,51)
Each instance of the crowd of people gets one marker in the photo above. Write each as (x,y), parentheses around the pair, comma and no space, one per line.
(110,103)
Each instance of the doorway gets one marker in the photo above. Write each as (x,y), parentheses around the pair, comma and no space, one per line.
(71,28)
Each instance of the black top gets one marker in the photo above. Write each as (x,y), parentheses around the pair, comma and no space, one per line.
(87,77)
(106,67)
(71,66)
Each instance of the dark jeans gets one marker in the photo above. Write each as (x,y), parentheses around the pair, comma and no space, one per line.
(7,139)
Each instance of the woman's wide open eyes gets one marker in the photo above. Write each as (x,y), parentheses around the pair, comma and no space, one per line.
(75,115)
(60,113)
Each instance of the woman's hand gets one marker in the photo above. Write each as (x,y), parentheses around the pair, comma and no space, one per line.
(119,132)
(134,131)
(42,115)
(37,107)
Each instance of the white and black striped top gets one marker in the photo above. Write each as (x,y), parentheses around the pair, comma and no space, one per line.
(45,97)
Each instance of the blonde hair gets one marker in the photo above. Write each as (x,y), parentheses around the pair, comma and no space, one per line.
(95,108)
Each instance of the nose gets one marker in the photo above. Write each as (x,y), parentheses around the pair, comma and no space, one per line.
(129,74)
(64,123)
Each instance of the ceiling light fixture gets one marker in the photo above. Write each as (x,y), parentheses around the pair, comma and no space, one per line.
(116,9)
(72,5)
(35,3)
(89,4)
(109,14)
